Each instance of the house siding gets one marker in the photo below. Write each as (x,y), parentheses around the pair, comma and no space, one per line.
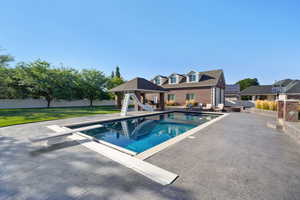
(202,95)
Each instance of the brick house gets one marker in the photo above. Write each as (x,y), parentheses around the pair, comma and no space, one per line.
(203,87)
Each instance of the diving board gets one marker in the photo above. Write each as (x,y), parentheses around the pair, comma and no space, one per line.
(65,133)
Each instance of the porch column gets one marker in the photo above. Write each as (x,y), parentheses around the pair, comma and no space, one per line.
(143,95)
(118,99)
(136,106)
(161,101)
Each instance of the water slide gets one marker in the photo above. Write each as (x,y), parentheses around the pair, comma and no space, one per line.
(126,103)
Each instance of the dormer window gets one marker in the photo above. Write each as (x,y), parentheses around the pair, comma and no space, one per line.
(173,79)
(157,81)
(192,78)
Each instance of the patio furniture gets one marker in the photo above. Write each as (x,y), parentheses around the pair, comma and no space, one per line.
(207,107)
(219,108)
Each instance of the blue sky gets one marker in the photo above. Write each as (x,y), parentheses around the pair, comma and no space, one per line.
(244,38)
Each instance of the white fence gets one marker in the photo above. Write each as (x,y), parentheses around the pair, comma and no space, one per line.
(41,103)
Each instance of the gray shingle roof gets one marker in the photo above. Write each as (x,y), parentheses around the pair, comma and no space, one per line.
(258,90)
(138,84)
(207,78)
(232,89)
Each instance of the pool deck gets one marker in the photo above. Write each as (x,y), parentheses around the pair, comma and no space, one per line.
(237,157)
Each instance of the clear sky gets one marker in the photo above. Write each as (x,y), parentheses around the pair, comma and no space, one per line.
(148,37)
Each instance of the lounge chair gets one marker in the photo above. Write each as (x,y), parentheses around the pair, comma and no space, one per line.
(207,107)
(219,108)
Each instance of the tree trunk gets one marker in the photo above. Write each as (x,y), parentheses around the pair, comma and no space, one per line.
(91,102)
(48,102)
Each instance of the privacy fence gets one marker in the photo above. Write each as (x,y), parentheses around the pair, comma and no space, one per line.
(41,103)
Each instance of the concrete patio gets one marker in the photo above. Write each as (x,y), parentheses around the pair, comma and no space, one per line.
(237,157)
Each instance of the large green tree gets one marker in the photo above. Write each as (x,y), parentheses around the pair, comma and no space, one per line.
(247,82)
(42,80)
(92,84)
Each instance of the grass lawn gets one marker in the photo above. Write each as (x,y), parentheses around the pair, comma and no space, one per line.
(26,115)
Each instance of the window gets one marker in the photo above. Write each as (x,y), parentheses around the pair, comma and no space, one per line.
(171,97)
(157,81)
(173,79)
(190,97)
(192,78)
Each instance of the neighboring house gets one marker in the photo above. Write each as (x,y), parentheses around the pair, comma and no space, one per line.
(203,87)
(232,92)
(289,87)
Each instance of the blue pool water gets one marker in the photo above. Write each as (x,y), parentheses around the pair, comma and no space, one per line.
(141,133)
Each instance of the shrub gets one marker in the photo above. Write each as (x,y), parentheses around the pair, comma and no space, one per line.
(266,105)
(171,103)
(273,105)
(258,104)
(192,102)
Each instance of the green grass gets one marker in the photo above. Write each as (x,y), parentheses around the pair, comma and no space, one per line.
(26,115)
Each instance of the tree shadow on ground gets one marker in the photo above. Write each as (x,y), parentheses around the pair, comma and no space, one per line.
(70,171)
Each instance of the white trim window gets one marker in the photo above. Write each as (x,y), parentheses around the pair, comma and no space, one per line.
(190,97)
(192,78)
(171,97)
(173,79)
(157,81)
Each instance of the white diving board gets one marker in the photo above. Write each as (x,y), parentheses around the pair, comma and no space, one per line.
(65,133)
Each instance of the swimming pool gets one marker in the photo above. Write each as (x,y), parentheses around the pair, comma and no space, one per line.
(139,134)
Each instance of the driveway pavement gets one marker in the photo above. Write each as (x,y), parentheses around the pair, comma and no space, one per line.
(237,157)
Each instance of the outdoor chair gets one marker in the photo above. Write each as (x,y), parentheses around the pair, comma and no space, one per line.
(207,107)
(219,108)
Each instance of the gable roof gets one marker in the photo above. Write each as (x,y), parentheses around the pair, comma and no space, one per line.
(283,83)
(293,87)
(207,78)
(138,84)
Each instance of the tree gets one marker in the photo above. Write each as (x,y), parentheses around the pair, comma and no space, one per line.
(112,74)
(118,74)
(247,82)
(114,82)
(5,59)
(92,84)
(44,81)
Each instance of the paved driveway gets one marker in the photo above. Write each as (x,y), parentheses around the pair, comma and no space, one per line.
(237,157)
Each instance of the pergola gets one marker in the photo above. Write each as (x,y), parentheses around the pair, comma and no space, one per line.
(139,86)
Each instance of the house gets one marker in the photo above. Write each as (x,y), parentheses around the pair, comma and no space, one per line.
(232,92)
(288,87)
(203,87)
